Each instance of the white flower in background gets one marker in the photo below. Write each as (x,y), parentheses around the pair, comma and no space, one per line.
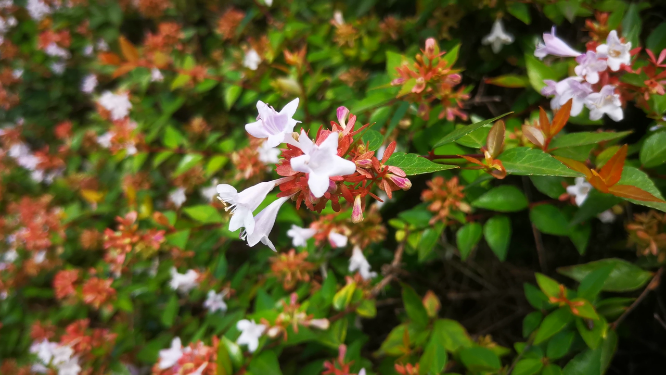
(37,9)
(615,51)
(384,198)
(269,2)
(362,372)
(357,262)
(321,162)
(102,45)
(56,51)
(62,354)
(10,256)
(554,46)
(572,88)
(183,282)
(580,190)
(118,105)
(89,83)
(104,140)
(275,126)
(250,334)
(243,204)
(589,66)
(17,73)
(264,224)
(156,75)
(338,18)
(209,192)
(498,37)
(251,59)
(71,367)
(606,217)
(44,350)
(169,357)
(58,67)
(267,154)
(178,197)
(88,50)
(603,102)
(336,239)
(39,257)
(300,236)
(551,90)
(215,301)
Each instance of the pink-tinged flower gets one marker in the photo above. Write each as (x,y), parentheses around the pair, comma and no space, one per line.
(400,181)
(342,114)
(250,334)
(615,51)
(89,83)
(273,125)
(300,236)
(551,90)
(117,105)
(215,302)
(498,37)
(321,162)
(156,75)
(578,91)
(169,357)
(336,239)
(554,46)
(264,223)
(357,210)
(243,204)
(357,262)
(603,102)
(589,66)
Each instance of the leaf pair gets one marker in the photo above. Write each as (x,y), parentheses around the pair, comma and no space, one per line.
(606,179)
(493,148)
(544,134)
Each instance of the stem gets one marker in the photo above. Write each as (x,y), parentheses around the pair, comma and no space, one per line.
(432,156)
(654,284)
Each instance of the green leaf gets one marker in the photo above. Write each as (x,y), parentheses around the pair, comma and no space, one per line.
(559,345)
(178,239)
(452,335)
(624,277)
(344,296)
(525,161)
(413,164)
(549,286)
(550,220)
(374,138)
(497,232)
(187,162)
(414,306)
(224,366)
(170,311)
(552,369)
(656,41)
(596,203)
(180,81)
(653,152)
(509,80)
(552,324)
(480,359)
(528,366)
(585,138)
(531,322)
(580,236)
(451,56)
(393,60)
(593,336)
(266,363)
(593,283)
(374,99)
(463,131)
(215,164)
(632,24)
(535,297)
(585,363)
(504,198)
(204,214)
(549,185)
(475,139)
(434,357)
(161,157)
(231,94)
(585,310)
(520,11)
(537,72)
(172,138)
(467,237)
(428,240)
(367,308)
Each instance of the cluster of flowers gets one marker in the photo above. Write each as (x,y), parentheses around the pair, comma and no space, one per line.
(312,172)
(195,359)
(595,83)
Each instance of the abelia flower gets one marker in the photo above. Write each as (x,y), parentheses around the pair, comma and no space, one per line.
(55,50)
(215,301)
(275,126)
(70,367)
(579,190)
(156,75)
(251,60)
(169,357)
(606,102)
(243,204)
(37,9)
(209,192)
(118,105)
(337,240)
(267,154)
(357,262)
(589,66)
(321,162)
(300,236)
(44,350)
(58,67)
(498,37)
(264,224)
(578,92)
(606,217)
(183,282)
(250,334)
(554,46)
(89,83)
(178,197)
(615,51)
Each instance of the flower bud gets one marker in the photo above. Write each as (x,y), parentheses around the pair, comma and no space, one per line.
(357,211)
(431,47)
(342,113)
(273,332)
(401,182)
(322,324)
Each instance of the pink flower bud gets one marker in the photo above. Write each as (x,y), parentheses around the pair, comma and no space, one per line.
(364,163)
(401,182)
(357,211)
(430,46)
(273,332)
(322,324)
(343,112)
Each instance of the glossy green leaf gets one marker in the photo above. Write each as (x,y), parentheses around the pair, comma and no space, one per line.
(414,306)
(467,237)
(344,296)
(231,94)
(552,324)
(462,131)
(373,138)
(552,369)
(585,138)
(547,285)
(413,164)
(656,41)
(525,161)
(504,198)
(452,334)
(550,220)
(531,322)
(559,345)
(592,331)
(594,282)
(480,359)
(653,152)
(204,214)
(497,232)
(537,72)
(528,366)
(187,162)
(624,277)
(520,11)
(509,80)
(266,363)
(434,357)
(170,311)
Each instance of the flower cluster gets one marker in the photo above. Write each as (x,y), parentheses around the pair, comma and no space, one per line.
(194,359)
(127,238)
(445,198)
(648,233)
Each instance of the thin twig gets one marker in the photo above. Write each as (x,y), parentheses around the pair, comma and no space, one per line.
(654,283)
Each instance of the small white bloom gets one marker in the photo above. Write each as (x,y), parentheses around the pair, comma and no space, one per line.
(580,190)
(169,357)
(209,192)
(250,334)
(269,2)
(276,126)
(498,37)
(606,217)
(156,75)
(338,18)
(17,73)
(118,105)
(589,66)
(362,372)
(37,9)
(88,50)
(572,88)
(264,223)
(62,354)
(102,45)
(267,154)
(183,282)
(554,46)
(10,256)
(178,197)
(44,350)
(300,236)
(89,83)
(251,59)
(336,239)
(39,257)
(605,101)
(56,51)
(71,367)
(243,204)
(616,51)
(357,262)
(321,162)
(104,140)
(58,67)
(215,302)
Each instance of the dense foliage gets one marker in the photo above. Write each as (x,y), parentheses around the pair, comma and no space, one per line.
(346,188)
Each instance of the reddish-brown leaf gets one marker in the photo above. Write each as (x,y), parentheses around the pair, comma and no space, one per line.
(544,122)
(534,135)
(497,170)
(612,170)
(389,151)
(561,118)
(576,166)
(128,50)
(109,58)
(123,69)
(495,141)
(472,160)
(632,192)
(597,182)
